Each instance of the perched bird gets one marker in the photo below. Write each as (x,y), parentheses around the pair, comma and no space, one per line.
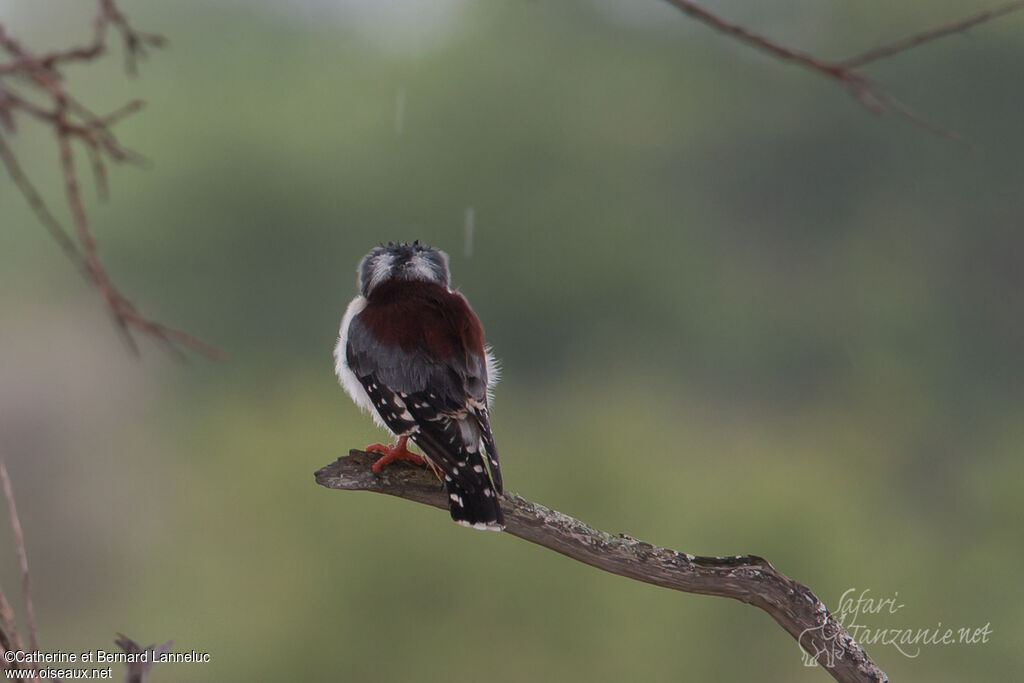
(411,351)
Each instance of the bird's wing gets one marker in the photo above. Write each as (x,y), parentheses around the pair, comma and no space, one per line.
(423,365)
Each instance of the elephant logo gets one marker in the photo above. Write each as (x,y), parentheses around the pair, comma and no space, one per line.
(817,645)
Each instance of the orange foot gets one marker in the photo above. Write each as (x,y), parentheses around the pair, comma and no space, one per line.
(397,451)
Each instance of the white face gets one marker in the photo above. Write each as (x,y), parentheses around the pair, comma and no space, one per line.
(403,261)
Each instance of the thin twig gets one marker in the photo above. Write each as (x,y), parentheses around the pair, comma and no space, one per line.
(135,41)
(865,90)
(753,39)
(71,120)
(8,626)
(35,201)
(959,26)
(10,638)
(747,578)
(19,545)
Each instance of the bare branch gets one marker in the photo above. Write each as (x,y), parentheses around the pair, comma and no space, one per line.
(756,40)
(35,201)
(746,578)
(959,26)
(126,316)
(135,42)
(70,120)
(10,639)
(107,14)
(19,545)
(865,90)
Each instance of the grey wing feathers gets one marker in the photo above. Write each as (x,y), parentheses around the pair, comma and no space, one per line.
(443,407)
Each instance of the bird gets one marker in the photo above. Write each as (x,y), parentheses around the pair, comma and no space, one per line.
(412,353)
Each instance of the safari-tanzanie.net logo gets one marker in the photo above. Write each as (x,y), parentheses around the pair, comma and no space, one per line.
(864,617)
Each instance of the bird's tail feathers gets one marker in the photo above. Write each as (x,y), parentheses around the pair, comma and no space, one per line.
(472,497)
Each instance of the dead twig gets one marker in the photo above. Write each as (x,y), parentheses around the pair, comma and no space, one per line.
(959,26)
(747,578)
(10,637)
(71,121)
(864,89)
(19,546)
(37,204)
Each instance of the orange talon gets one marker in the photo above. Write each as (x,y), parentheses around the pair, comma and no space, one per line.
(397,451)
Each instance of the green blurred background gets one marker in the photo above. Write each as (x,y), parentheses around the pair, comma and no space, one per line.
(737,314)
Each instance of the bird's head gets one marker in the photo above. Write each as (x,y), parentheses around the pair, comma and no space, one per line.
(402,261)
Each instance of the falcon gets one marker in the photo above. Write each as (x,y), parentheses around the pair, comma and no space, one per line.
(411,352)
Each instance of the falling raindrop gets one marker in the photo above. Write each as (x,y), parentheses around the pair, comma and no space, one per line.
(468,244)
